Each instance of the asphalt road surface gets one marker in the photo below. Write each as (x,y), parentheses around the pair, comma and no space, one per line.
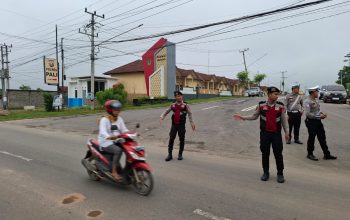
(41,176)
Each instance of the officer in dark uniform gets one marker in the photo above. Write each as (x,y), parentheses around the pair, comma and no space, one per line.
(314,126)
(180,111)
(294,106)
(272,118)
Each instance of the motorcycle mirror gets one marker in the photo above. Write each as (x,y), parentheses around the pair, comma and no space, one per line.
(137,125)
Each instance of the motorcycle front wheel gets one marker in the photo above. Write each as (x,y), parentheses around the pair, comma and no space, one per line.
(145,184)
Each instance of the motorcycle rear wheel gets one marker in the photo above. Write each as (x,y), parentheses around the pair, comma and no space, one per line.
(145,186)
(93,176)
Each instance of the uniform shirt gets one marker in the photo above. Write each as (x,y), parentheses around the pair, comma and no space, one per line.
(179,103)
(312,108)
(294,102)
(257,114)
(105,130)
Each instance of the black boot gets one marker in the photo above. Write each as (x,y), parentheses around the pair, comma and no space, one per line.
(180,156)
(298,142)
(312,157)
(280,178)
(329,157)
(169,157)
(265,176)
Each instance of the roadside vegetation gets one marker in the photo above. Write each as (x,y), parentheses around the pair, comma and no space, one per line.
(42,113)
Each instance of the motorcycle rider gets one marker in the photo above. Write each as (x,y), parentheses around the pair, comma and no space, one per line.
(110,127)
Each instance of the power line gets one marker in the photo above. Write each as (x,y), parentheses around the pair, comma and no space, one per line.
(249,17)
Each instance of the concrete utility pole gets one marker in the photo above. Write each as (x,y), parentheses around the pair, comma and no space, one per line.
(58,67)
(347,60)
(245,64)
(5,74)
(92,56)
(283,78)
(2,76)
(63,76)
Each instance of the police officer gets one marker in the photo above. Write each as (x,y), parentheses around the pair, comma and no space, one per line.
(272,118)
(294,106)
(180,111)
(314,126)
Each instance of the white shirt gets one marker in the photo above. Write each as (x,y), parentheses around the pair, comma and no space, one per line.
(106,132)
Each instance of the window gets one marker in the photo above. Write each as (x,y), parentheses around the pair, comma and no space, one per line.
(99,86)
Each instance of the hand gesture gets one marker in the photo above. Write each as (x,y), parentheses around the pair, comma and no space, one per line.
(286,136)
(193,127)
(161,120)
(237,116)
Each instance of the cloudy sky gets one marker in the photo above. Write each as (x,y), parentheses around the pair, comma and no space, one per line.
(309,43)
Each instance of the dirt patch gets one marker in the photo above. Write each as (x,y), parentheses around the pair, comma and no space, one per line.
(73,198)
(94,214)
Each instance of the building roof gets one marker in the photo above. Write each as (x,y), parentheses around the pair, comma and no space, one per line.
(135,66)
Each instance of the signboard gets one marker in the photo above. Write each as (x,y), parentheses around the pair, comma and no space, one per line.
(50,71)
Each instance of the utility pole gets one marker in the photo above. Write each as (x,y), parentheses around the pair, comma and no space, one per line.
(341,74)
(2,77)
(7,73)
(245,64)
(58,66)
(283,78)
(92,56)
(63,76)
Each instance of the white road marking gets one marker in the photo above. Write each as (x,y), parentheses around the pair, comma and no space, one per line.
(14,155)
(209,215)
(241,101)
(210,107)
(249,108)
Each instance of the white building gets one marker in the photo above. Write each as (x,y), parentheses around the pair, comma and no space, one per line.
(79,88)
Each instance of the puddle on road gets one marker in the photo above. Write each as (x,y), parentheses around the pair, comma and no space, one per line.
(72,198)
(95,213)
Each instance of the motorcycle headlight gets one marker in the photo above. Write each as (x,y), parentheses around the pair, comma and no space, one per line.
(136,157)
(345,95)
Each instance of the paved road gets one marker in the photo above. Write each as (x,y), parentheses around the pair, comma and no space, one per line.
(219,178)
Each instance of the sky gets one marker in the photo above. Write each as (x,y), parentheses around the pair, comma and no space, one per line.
(307,44)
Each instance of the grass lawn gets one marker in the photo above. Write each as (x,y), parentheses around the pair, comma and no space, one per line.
(41,113)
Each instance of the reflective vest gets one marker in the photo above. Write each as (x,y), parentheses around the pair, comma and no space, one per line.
(179,113)
(270,116)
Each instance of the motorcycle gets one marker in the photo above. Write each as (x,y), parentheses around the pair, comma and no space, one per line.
(136,172)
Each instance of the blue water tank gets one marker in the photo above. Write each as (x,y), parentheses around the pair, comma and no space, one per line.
(75,102)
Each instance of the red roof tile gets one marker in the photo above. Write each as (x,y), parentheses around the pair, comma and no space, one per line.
(136,66)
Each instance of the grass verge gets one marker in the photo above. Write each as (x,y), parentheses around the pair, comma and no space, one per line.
(41,113)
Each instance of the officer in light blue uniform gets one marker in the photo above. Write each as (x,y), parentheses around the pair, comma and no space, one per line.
(314,125)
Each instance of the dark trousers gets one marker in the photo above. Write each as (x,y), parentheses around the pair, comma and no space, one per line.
(294,121)
(117,153)
(181,131)
(315,128)
(266,140)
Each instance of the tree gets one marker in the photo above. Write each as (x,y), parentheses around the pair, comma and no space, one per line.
(24,87)
(345,74)
(39,89)
(243,78)
(259,77)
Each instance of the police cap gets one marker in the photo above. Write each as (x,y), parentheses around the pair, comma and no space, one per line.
(177,93)
(295,86)
(272,89)
(314,89)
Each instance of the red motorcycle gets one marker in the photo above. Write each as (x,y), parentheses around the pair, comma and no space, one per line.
(136,171)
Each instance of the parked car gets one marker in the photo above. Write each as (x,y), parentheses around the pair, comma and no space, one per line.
(334,93)
(255,91)
(322,90)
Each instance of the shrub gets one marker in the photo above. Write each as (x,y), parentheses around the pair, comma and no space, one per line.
(117,92)
(48,100)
